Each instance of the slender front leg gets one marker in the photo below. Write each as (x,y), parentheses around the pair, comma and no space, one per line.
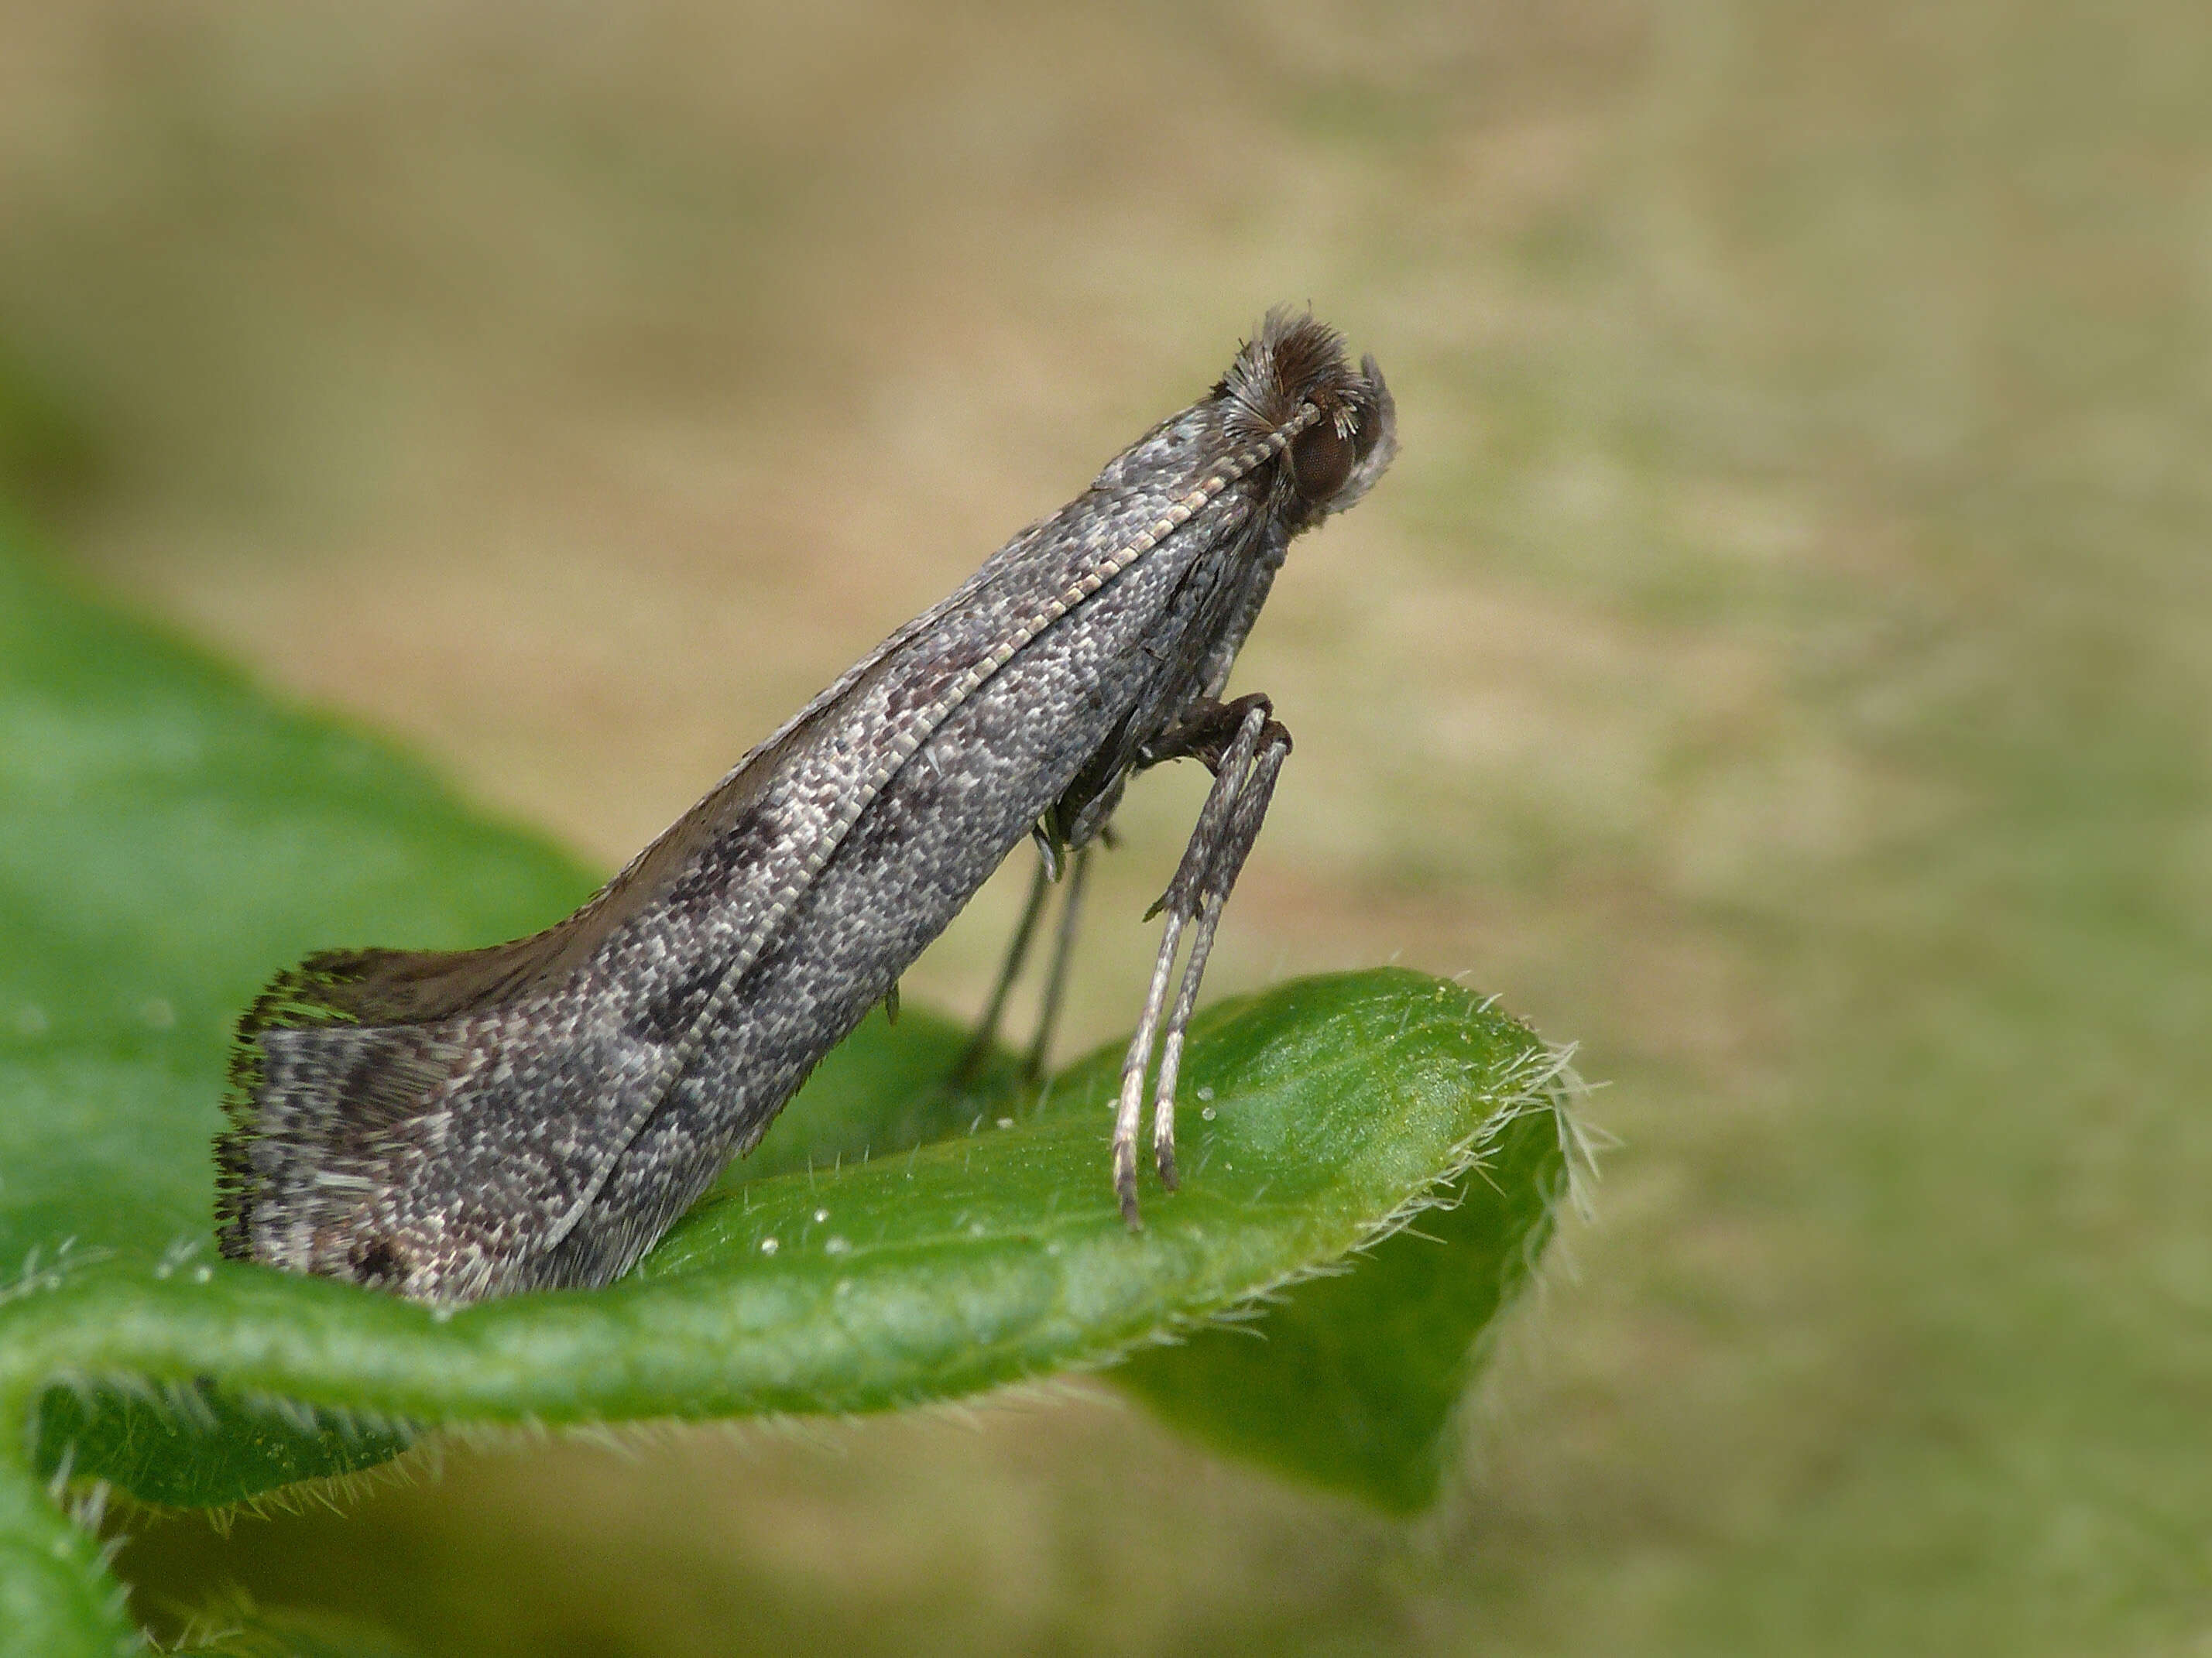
(1206,734)
(1237,839)
(1245,749)
(970,1065)
(1055,978)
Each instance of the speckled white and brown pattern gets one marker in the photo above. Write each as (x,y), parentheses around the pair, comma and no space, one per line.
(456,1125)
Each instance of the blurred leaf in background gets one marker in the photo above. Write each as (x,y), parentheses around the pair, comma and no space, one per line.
(48,460)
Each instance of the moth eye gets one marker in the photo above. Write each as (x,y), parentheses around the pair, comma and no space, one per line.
(1363,437)
(1321,459)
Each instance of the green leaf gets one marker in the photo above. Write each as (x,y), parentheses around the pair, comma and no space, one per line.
(1355,1379)
(168,837)
(235,1627)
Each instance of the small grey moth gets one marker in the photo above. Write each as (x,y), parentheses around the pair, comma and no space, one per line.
(455,1124)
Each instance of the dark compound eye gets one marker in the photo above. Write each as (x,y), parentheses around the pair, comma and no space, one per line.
(1321,459)
(1363,440)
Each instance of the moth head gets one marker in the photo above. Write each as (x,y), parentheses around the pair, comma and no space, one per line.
(1294,375)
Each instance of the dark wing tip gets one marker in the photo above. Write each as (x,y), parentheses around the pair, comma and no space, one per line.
(348,988)
(308,996)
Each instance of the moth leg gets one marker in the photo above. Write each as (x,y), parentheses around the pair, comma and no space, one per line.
(970,1063)
(1205,734)
(1244,820)
(1244,769)
(1256,791)
(1056,982)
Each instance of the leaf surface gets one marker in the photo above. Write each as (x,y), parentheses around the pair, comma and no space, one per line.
(168,837)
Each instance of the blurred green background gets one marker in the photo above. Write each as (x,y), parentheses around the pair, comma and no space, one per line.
(1782,659)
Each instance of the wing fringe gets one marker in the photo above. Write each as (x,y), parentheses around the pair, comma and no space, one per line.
(371,1085)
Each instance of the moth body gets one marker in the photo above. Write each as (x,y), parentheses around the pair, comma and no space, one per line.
(452,1125)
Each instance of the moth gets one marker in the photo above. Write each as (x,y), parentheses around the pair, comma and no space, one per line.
(451,1125)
